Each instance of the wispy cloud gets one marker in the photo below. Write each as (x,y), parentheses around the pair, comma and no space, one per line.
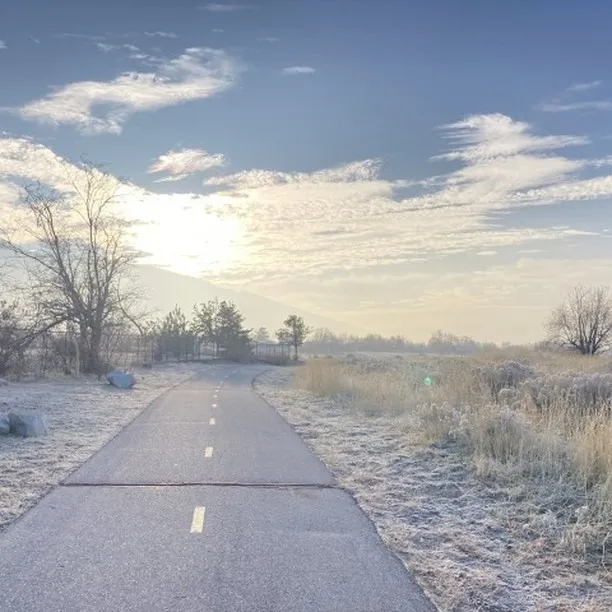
(2,45)
(579,87)
(23,160)
(365,170)
(104,106)
(504,165)
(215,7)
(496,135)
(160,34)
(146,58)
(107,48)
(298,70)
(84,36)
(179,164)
(597,105)
(566,101)
(270,39)
(108,36)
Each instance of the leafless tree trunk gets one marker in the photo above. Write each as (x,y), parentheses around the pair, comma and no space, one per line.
(584,320)
(75,251)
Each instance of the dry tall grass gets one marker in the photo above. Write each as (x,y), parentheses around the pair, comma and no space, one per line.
(540,424)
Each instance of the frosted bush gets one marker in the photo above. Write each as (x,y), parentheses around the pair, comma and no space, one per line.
(496,376)
(577,391)
(501,434)
(442,421)
(508,396)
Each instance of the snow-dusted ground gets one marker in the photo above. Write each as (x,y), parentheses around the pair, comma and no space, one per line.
(463,541)
(82,416)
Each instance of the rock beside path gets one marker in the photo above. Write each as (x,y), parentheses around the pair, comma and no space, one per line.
(5,425)
(121,380)
(27,424)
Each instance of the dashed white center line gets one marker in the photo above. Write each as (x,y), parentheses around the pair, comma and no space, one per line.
(212,421)
(214,405)
(208,452)
(197,524)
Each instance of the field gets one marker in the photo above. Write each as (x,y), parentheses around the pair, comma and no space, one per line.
(490,476)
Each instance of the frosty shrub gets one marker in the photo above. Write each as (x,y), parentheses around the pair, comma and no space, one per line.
(579,392)
(508,395)
(497,376)
(501,434)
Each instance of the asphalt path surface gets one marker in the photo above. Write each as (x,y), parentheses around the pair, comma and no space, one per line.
(208,501)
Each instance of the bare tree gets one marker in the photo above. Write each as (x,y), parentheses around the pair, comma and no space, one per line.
(584,320)
(74,249)
(13,338)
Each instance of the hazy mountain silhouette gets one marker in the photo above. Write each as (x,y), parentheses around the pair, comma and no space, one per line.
(166,289)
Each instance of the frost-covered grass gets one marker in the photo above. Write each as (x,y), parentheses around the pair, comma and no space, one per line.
(82,415)
(490,475)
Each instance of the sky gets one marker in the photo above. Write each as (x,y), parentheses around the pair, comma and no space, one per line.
(399,167)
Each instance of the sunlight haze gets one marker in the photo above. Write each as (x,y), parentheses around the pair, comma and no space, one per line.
(381,166)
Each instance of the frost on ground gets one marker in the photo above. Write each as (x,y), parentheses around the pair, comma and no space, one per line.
(471,545)
(82,416)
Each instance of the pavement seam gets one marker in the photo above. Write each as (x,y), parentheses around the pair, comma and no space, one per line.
(255,485)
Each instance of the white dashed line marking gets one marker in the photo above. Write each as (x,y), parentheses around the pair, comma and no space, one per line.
(208,452)
(197,524)
(214,405)
(212,421)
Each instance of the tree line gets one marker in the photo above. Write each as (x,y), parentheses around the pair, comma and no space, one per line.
(581,323)
(221,324)
(78,263)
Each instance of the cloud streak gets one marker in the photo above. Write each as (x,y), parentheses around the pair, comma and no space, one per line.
(95,107)
(215,7)
(2,45)
(107,48)
(181,163)
(298,70)
(566,101)
(580,87)
(160,34)
(595,105)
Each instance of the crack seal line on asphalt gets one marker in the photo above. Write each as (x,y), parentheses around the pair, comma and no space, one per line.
(258,485)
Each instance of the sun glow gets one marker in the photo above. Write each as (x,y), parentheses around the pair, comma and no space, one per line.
(184,236)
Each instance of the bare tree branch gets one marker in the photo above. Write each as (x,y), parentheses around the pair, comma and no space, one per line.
(76,255)
(584,320)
